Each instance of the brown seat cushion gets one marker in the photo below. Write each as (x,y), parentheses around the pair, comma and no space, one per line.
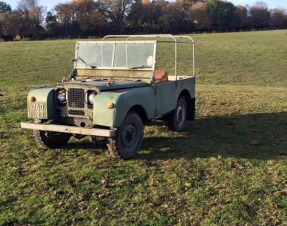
(160,76)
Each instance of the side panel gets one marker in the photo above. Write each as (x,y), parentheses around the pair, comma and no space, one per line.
(168,93)
(44,106)
(186,84)
(123,102)
(165,97)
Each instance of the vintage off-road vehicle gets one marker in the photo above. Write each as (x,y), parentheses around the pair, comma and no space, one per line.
(114,89)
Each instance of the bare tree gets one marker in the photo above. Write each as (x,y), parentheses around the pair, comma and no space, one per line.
(64,17)
(32,14)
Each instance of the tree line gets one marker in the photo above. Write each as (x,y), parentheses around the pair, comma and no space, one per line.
(85,18)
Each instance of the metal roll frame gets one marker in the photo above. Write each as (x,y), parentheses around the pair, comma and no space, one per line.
(157,36)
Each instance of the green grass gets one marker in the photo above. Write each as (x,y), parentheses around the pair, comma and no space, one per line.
(229,167)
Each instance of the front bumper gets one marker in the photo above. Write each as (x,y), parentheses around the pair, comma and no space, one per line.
(69,129)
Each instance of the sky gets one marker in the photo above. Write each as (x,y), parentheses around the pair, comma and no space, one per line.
(49,4)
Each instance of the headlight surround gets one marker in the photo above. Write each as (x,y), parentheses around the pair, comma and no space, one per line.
(91,97)
(61,95)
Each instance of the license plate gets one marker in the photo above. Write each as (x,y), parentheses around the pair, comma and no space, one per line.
(38,110)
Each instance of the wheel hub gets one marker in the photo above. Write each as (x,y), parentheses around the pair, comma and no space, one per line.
(129,136)
(180,114)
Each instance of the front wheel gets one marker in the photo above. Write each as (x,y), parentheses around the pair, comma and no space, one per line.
(51,139)
(177,119)
(128,139)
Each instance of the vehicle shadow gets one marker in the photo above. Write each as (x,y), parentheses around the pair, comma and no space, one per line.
(252,136)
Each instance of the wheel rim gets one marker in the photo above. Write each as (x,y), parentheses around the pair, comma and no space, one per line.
(180,114)
(130,137)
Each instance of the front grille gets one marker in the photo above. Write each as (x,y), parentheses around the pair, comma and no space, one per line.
(76,112)
(77,105)
(76,98)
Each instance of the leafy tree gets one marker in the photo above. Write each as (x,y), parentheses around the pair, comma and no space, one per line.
(88,16)
(152,15)
(278,18)
(135,16)
(260,16)
(10,25)
(80,18)
(200,16)
(52,25)
(116,12)
(186,4)
(172,18)
(242,20)
(148,17)
(99,17)
(222,14)
(4,7)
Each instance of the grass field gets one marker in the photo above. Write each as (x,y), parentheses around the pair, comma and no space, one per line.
(229,167)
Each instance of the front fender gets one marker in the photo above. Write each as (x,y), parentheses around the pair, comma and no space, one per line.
(44,106)
(123,101)
(101,114)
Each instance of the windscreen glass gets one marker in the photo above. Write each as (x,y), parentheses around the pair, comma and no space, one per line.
(111,55)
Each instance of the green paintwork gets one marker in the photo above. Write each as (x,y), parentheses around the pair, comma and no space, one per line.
(101,114)
(44,96)
(103,85)
(167,94)
(123,101)
(156,100)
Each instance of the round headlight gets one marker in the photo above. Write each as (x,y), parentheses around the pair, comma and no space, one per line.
(61,95)
(91,98)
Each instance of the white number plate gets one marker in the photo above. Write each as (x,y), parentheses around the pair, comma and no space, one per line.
(38,110)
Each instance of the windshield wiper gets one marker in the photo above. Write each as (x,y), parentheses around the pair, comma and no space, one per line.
(139,67)
(81,59)
(91,66)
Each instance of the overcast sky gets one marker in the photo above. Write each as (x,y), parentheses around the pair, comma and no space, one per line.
(51,3)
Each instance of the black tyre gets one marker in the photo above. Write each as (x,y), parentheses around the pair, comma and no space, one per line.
(177,118)
(128,139)
(51,139)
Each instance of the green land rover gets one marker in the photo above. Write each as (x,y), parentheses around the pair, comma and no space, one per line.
(115,89)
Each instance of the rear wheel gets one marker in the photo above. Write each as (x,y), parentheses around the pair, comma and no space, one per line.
(51,140)
(128,139)
(177,119)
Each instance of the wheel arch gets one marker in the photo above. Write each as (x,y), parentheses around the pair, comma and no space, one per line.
(190,102)
(141,112)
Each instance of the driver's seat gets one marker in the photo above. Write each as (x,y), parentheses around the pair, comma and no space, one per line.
(161,76)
